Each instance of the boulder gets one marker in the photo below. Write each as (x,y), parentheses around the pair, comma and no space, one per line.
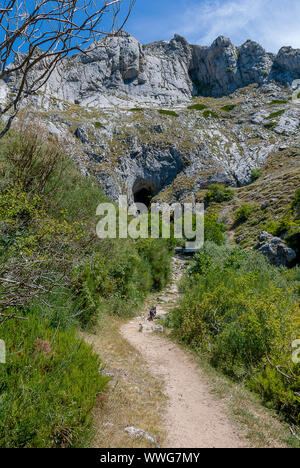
(277,252)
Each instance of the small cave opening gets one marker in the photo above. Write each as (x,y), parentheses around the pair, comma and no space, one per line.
(143,192)
(144,196)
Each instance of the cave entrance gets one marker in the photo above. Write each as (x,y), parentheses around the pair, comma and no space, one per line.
(143,191)
(144,195)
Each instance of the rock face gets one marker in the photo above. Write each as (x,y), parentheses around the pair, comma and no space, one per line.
(121,67)
(175,155)
(275,250)
(110,105)
(222,67)
(165,73)
(286,65)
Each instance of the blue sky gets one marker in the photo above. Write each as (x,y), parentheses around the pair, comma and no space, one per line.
(272,23)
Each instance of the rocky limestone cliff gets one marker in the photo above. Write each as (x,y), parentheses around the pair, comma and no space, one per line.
(164,73)
(110,104)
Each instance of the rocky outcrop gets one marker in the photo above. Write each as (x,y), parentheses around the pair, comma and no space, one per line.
(109,103)
(286,65)
(120,68)
(175,155)
(275,250)
(163,73)
(222,67)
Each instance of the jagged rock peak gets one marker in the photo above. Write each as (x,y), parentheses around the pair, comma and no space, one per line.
(166,73)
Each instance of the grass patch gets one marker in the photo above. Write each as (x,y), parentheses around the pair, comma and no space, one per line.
(276,114)
(218,193)
(255,174)
(48,386)
(210,114)
(229,107)
(278,101)
(168,112)
(198,107)
(98,125)
(270,125)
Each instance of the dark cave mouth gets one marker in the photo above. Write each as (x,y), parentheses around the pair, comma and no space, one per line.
(143,195)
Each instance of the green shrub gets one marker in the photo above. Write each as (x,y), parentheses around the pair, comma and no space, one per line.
(198,107)
(243,314)
(34,159)
(229,107)
(213,230)
(218,193)
(47,387)
(281,226)
(244,212)
(278,101)
(255,174)
(209,113)
(98,125)
(168,112)
(65,278)
(276,114)
(270,125)
(296,203)
(158,255)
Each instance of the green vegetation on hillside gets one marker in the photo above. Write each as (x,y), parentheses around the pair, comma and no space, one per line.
(168,112)
(218,193)
(278,101)
(198,107)
(276,114)
(228,108)
(210,114)
(288,225)
(255,174)
(244,315)
(58,276)
(244,212)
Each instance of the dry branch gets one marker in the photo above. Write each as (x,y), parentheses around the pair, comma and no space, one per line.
(37,36)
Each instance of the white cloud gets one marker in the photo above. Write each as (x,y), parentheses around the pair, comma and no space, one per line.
(272,23)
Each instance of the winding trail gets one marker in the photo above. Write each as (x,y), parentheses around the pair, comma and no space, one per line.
(194,417)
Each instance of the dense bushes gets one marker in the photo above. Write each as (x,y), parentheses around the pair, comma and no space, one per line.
(244,212)
(58,274)
(198,107)
(288,226)
(255,174)
(47,387)
(244,314)
(218,193)
(213,229)
(296,203)
(118,280)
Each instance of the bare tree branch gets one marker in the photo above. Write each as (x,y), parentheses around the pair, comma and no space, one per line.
(37,36)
